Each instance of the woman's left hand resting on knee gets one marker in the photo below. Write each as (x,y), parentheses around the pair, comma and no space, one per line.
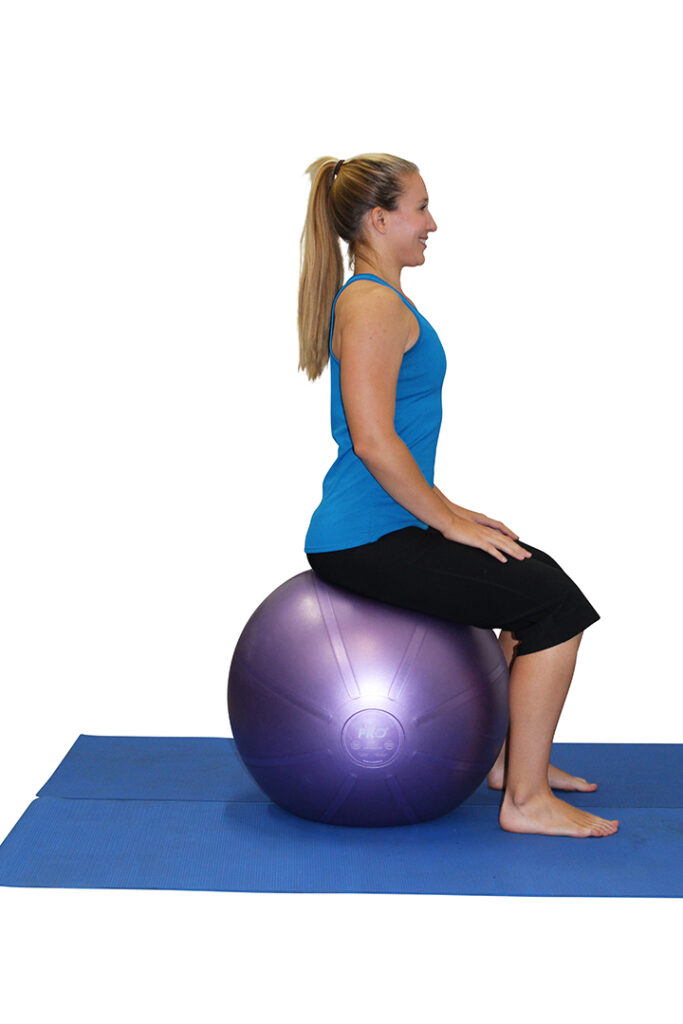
(476,517)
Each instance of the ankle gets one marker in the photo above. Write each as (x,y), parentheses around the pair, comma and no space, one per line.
(523,793)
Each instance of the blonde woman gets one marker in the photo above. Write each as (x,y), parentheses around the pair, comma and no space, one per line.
(383,529)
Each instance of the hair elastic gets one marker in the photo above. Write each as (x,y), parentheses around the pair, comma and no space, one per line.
(336,170)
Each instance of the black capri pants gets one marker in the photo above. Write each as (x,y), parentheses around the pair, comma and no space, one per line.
(420,569)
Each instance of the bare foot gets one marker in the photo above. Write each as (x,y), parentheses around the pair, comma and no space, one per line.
(548,815)
(557,779)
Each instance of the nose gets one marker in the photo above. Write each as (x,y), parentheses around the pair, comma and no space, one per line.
(433,227)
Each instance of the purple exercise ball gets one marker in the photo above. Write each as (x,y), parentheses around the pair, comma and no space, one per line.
(350,711)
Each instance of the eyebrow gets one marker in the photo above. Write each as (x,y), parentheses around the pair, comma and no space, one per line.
(425,199)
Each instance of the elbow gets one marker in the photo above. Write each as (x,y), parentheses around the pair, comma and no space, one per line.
(361,447)
(366,447)
(359,450)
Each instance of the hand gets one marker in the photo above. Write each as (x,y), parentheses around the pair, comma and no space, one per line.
(475,517)
(477,534)
(479,517)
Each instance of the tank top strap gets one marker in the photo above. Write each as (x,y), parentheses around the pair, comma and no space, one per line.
(360,277)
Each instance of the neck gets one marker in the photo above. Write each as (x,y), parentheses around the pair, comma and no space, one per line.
(388,272)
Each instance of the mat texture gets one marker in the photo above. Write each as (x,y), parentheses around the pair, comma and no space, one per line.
(183,813)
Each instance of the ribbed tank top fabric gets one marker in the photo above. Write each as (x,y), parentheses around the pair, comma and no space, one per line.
(355,509)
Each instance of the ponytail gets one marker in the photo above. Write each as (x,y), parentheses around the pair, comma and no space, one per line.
(336,207)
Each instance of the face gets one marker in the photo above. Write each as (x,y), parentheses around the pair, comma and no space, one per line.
(410,224)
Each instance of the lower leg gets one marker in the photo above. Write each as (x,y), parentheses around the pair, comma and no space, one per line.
(557,778)
(538,689)
(539,683)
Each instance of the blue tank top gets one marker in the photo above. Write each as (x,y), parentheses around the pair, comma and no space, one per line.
(355,509)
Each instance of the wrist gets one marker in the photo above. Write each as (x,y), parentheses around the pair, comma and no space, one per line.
(463,513)
(449,521)
(456,509)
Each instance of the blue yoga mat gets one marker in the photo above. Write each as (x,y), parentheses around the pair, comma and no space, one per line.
(183,813)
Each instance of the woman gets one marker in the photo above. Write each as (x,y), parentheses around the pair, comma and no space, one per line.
(382,528)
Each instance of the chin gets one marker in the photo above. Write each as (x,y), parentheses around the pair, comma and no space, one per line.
(415,261)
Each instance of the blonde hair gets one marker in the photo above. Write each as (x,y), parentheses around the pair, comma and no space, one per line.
(336,207)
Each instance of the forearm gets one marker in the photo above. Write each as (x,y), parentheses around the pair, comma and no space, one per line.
(398,473)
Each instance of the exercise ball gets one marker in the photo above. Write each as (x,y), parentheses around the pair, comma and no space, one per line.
(350,711)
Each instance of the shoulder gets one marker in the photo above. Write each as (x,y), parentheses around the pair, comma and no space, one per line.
(366,300)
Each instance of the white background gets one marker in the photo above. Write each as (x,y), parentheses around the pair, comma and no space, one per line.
(161,455)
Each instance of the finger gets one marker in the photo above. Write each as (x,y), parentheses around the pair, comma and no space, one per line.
(520,552)
(516,550)
(497,554)
(495,524)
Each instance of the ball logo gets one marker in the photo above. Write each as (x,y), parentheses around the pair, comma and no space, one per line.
(372,733)
(372,738)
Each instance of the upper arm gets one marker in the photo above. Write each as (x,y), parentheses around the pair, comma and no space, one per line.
(373,336)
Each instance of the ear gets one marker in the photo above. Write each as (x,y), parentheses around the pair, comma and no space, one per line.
(378,219)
